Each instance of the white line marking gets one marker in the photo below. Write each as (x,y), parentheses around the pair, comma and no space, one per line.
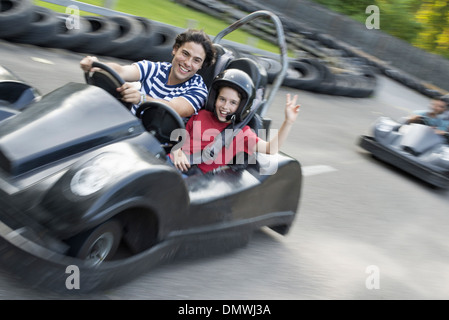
(41,60)
(314,170)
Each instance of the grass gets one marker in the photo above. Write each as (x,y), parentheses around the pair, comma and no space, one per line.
(172,13)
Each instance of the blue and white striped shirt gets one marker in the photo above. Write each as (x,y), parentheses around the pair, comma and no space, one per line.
(154,77)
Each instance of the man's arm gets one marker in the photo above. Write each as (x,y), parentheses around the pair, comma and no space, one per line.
(128,73)
(180,105)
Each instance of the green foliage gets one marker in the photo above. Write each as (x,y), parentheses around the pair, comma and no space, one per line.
(434,37)
(396,18)
(394,14)
(423,23)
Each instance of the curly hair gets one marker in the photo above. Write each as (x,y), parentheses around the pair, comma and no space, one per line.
(199,37)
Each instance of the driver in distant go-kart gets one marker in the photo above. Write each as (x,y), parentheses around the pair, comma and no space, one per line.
(437,116)
(176,84)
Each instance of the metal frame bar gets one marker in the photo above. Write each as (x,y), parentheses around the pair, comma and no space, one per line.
(281,42)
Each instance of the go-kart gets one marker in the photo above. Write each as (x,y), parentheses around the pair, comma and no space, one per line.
(15,94)
(415,148)
(85,184)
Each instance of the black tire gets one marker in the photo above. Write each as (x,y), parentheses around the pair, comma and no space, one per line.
(327,82)
(98,244)
(15,16)
(41,29)
(130,38)
(141,50)
(67,35)
(272,66)
(163,39)
(303,75)
(345,84)
(367,83)
(98,40)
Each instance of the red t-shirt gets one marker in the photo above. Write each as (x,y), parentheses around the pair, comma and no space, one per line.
(202,129)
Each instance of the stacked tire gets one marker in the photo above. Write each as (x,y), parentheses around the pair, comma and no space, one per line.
(312,74)
(126,37)
(321,41)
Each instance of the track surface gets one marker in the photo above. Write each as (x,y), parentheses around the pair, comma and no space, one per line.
(356,215)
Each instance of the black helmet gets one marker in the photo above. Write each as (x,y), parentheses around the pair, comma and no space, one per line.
(238,80)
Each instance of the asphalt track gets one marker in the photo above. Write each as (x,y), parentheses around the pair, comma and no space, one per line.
(364,230)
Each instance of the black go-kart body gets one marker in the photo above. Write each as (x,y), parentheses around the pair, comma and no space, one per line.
(414,148)
(80,176)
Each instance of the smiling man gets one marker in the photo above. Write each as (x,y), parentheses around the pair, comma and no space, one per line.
(176,84)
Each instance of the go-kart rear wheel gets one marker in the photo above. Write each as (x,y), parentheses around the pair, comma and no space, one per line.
(98,244)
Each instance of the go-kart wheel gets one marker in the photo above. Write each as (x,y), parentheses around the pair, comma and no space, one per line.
(107,79)
(98,244)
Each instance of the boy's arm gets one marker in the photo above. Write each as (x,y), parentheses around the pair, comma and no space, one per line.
(273,146)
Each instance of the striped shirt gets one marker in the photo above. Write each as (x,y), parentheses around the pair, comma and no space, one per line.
(154,77)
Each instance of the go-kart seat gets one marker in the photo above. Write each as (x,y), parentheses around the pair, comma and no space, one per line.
(16,95)
(224,56)
(254,69)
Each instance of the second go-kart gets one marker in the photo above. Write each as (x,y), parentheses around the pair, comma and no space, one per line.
(414,148)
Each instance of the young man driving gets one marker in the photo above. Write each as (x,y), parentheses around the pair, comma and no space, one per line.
(176,84)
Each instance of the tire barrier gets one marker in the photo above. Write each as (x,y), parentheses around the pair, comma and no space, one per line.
(412,82)
(125,37)
(66,35)
(40,29)
(136,38)
(305,74)
(314,75)
(15,16)
(99,39)
(323,41)
(309,73)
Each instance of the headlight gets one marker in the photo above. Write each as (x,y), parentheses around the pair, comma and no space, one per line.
(98,172)
(89,180)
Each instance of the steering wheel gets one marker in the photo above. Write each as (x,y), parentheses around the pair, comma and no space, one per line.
(163,122)
(424,120)
(107,79)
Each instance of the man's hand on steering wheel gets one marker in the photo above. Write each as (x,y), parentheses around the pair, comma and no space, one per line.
(86,63)
(105,77)
(129,93)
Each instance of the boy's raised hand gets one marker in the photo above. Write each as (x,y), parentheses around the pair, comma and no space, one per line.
(291,108)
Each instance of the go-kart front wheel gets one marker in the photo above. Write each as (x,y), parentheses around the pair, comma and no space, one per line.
(98,244)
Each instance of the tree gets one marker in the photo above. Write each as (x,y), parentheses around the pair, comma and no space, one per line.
(395,18)
(434,36)
(394,14)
